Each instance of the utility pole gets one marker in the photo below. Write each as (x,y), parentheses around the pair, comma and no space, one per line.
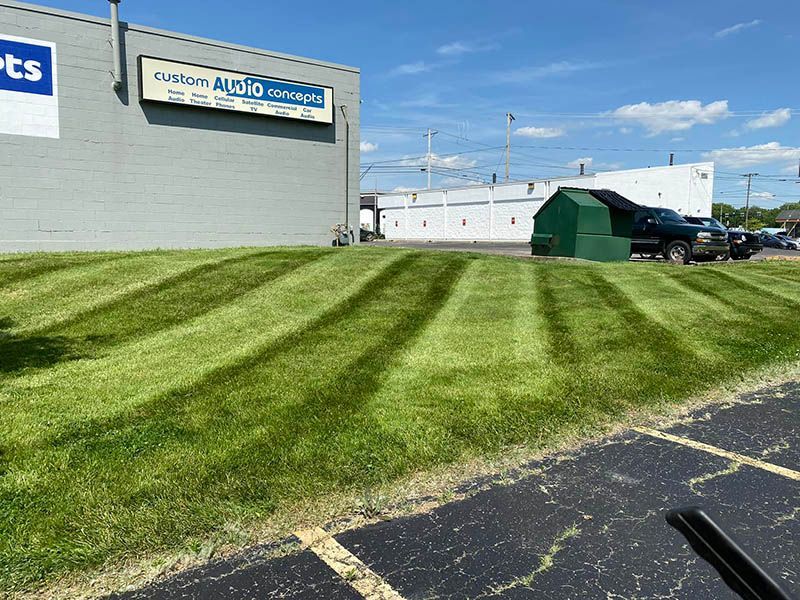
(747,201)
(429,135)
(509,118)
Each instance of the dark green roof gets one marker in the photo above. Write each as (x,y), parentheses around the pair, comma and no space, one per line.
(608,197)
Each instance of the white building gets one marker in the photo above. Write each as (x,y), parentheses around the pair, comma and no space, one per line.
(505,211)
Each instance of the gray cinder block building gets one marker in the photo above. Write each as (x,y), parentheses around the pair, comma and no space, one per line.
(179,142)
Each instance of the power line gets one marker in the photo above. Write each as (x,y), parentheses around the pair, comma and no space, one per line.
(636,117)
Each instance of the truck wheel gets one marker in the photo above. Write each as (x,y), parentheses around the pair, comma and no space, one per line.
(678,253)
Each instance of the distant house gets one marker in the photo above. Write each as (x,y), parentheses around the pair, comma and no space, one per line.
(789,220)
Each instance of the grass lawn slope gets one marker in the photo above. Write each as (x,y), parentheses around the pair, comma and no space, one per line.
(152,398)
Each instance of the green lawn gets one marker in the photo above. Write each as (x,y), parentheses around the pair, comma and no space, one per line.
(149,399)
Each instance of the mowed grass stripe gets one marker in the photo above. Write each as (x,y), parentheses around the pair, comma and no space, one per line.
(750,328)
(45,401)
(786,286)
(148,309)
(22,268)
(664,302)
(347,372)
(474,377)
(615,363)
(44,301)
(283,423)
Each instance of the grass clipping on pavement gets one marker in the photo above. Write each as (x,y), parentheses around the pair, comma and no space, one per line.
(150,401)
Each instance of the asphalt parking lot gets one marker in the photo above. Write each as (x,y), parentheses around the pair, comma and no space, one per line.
(521,249)
(585,524)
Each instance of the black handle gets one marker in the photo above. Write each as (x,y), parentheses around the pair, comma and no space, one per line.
(742,574)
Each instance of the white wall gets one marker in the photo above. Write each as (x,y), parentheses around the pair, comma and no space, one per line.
(684,188)
(506,211)
(365,218)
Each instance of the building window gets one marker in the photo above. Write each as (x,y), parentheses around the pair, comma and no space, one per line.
(395,223)
(424,223)
(513,220)
(463,221)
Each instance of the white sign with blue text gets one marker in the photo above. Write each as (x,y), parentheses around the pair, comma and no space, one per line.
(205,87)
(28,87)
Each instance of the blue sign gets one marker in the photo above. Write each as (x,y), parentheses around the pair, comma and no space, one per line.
(26,68)
(256,88)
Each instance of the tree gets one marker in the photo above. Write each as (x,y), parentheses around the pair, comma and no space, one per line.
(733,217)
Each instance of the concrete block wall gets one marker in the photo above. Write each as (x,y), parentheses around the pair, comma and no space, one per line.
(125,174)
(495,212)
(507,211)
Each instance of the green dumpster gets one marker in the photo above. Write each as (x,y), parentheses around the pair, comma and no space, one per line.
(579,223)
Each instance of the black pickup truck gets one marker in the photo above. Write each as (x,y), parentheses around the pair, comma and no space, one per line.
(662,231)
(743,244)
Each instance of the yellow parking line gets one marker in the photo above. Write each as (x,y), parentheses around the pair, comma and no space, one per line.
(735,456)
(360,577)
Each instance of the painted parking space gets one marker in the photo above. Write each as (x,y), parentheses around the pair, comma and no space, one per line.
(763,426)
(586,524)
(590,525)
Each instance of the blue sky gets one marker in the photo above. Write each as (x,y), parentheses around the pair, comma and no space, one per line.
(613,84)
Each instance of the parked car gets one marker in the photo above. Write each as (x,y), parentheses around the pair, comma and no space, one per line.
(792,243)
(365,235)
(770,241)
(662,231)
(742,244)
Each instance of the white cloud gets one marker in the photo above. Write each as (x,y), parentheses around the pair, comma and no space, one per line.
(792,169)
(451,182)
(368,147)
(625,130)
(539,132)
(458,48)
(678,139)
(747,156)
(403,190)
(775,118)
(587,161)
(527,74)
(450,162)
(673,115)
(413,68)
(453,162)
(737,28)
(762,195)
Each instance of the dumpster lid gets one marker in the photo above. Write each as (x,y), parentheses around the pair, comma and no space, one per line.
(611,199)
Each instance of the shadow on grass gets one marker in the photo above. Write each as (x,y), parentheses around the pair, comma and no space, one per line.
(292,431)
(758,290)
(641,332)
(19,270)
(146,311)
(18,352)
(562,347)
